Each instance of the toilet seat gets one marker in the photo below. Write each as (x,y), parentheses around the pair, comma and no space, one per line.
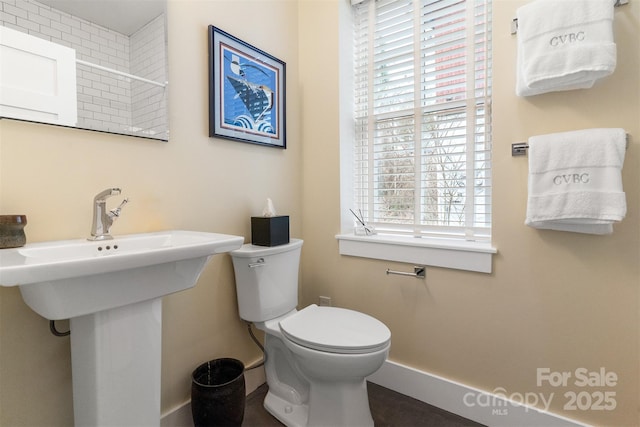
(335,330)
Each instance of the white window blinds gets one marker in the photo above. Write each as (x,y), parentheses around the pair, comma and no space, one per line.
(422,116)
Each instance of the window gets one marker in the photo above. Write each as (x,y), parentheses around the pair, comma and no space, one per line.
(422,131)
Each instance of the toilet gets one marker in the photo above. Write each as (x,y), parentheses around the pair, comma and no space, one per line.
(317,358)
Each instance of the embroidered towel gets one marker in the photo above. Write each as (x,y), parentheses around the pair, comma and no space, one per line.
(575,181)
(564,45)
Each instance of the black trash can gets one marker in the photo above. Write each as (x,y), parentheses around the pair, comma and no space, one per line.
(218,393)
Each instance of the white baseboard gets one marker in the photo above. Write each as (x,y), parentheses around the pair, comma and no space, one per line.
(487,408)
(180,416)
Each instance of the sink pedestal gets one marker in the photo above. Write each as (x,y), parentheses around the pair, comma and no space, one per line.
(115,360)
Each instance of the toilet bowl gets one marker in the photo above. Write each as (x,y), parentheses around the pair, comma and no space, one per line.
(318,358)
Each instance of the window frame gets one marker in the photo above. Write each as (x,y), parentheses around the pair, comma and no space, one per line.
(422,249)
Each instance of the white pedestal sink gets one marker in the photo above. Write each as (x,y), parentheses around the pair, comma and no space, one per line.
(111,291)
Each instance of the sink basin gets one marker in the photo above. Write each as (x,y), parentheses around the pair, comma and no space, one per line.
(66,279)
(111,292)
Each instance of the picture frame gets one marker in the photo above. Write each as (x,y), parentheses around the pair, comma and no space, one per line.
(247,89)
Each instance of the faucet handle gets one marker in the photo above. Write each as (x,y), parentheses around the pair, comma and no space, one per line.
(116,212)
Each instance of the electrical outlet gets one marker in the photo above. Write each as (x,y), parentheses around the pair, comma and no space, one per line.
(325,301)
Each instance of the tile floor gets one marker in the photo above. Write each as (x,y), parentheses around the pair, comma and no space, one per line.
(389,409)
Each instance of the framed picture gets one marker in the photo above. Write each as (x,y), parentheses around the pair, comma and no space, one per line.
(246,92)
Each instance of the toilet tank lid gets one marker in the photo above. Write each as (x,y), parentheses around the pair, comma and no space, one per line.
(337,330)
(250,251)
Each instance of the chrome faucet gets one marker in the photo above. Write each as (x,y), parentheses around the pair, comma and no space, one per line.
(103,219)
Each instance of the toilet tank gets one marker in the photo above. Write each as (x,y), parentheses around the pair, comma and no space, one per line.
(266,280)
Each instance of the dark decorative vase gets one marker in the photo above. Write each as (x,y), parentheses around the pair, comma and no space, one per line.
(12,231)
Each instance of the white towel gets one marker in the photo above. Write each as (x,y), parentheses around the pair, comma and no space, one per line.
(564,45)
(575,181)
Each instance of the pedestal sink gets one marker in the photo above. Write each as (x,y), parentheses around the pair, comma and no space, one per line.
(111,292)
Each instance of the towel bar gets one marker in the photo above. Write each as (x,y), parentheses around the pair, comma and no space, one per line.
(520,148)
(514,21)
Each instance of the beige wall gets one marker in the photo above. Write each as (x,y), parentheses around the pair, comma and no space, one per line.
(193,182)
(554,300)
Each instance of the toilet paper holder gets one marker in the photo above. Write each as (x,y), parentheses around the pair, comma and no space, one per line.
(419,272)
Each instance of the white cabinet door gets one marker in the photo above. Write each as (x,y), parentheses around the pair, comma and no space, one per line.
(37,79)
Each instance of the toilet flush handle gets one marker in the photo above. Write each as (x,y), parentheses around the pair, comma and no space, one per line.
(259,263)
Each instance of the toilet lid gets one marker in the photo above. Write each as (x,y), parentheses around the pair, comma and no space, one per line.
(335,330)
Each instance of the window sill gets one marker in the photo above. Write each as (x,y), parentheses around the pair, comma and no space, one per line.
(460,255)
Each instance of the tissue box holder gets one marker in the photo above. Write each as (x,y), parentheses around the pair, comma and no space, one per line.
(270,231)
